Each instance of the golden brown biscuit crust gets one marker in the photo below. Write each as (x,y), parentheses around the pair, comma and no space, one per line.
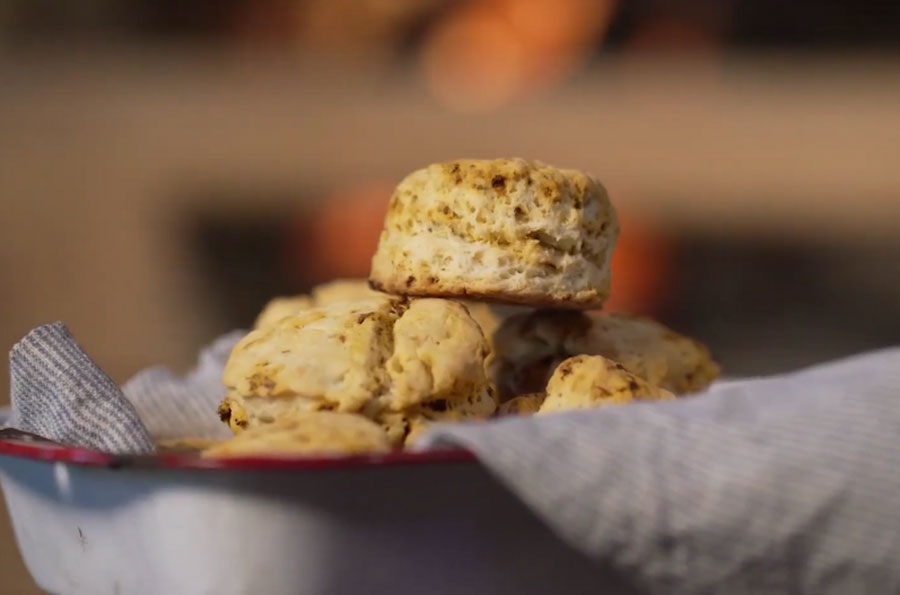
(522,297)
(506,230)
(522,405)
(591,381)
(313,433)
(396,361)
(527,348)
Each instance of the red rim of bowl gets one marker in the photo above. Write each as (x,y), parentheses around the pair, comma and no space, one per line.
(51,452)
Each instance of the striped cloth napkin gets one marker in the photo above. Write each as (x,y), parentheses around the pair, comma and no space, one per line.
(787,484)
(58,392)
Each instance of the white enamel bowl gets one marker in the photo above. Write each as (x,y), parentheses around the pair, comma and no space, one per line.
(424,523)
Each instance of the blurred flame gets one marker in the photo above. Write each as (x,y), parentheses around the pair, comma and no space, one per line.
(641,266)
(329,26)
(474,60)
(345,232)
(486,53)
(555,24)
(357,25)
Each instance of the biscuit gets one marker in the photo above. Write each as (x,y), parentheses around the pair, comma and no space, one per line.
(438,354)
(436,371)
(490,316)
(417,429)
(400,425)
(281,307)
(395,424)
(476,405)
(424,358)
(334,354)
(321,295)
(590,381)
(323,432)
(402,429)
(507,230)
(529,346)
(241,412)
(649,349)
(522,405)
(342,290)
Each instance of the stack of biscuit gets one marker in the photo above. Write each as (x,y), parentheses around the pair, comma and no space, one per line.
(480,301)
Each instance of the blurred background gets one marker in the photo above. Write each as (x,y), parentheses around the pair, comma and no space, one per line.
(166,168)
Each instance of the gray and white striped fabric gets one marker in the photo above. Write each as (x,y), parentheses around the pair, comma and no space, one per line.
(175,407)
(776,485)
(58,392)
(786,484)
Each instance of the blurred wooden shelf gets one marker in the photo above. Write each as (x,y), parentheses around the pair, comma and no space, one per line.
(778,143)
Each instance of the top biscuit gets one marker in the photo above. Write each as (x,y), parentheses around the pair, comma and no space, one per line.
(507,230)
